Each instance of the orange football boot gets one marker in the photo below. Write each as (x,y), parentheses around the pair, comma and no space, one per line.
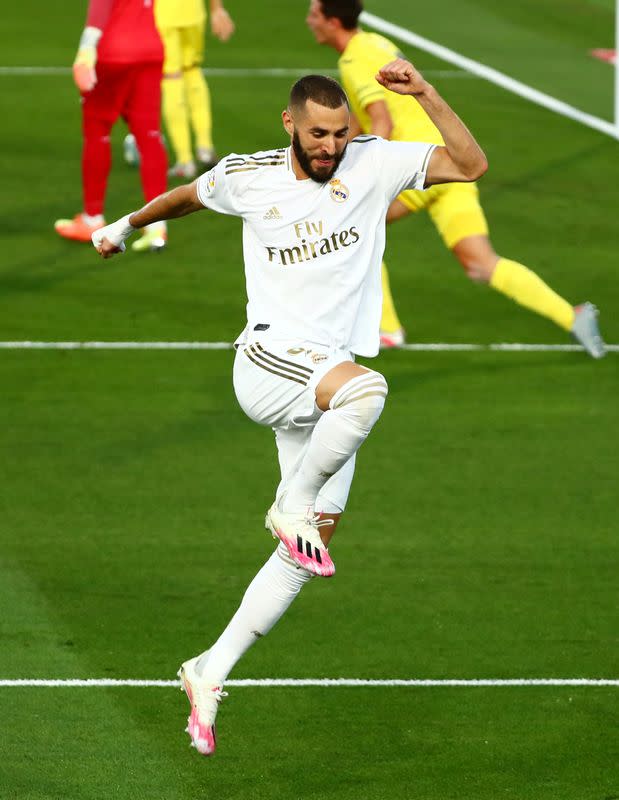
(77,228)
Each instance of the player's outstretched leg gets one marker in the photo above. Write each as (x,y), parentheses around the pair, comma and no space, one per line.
(525,287)
(353,409)
(265,601)
(528,289)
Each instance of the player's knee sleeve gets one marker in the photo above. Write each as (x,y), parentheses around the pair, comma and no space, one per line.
(361,400)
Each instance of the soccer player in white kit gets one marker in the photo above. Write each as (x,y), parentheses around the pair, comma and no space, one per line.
(313,239)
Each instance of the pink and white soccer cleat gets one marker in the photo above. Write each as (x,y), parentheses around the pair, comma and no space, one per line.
(391,340)
(299,533)
(204,699)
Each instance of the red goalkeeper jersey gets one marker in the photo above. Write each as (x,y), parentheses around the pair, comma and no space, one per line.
(129,32)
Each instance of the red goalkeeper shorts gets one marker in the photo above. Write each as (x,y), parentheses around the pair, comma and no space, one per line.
(130,91)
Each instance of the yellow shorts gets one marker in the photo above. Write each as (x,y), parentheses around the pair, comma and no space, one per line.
(184,48)
(453,207)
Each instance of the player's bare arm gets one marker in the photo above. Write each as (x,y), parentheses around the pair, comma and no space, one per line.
(354,129)
(179,202)
(462,159)
(381,123)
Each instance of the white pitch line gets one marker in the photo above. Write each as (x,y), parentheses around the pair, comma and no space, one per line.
(508,347)
(116,346)
(235,72)
(319,682)
(491,75)
(226,72)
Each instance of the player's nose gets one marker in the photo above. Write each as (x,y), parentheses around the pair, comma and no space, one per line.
(329,147)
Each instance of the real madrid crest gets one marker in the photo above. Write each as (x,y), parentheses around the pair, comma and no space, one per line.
(210,181)
(339,192)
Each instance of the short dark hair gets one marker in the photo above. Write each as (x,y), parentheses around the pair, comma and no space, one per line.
(347,11)
(319,88)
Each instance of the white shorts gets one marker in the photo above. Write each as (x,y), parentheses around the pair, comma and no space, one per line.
(275,384)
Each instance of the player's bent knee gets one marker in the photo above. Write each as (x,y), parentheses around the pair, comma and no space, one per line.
(474,270)
(362,398)
(477,257)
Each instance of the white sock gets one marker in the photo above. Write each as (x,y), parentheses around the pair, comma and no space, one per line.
(94,219)
(266,599)
(338,434)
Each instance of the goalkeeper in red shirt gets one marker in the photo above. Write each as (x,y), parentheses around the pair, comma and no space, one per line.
(118,72)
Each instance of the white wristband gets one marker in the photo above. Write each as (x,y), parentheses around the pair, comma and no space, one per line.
(115,233)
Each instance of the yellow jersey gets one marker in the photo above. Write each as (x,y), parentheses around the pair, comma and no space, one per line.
(364,55)
(179,13)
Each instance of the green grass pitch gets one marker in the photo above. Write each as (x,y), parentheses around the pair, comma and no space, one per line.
(481,535)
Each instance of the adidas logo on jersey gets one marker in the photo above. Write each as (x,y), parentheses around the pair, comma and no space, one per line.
(272,213)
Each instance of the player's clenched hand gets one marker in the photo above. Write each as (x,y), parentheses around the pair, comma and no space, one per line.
(400,76)
(110,240)
(222,24)
(106,249)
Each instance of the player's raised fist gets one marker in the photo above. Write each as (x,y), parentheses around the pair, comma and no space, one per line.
(400,76)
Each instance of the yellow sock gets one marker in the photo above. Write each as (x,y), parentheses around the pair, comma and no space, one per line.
(199,102)
(528,289)
(389,321)
(176,118)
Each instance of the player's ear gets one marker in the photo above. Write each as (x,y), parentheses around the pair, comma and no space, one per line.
(288,123)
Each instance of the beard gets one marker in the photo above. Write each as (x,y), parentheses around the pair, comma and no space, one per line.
(319,174)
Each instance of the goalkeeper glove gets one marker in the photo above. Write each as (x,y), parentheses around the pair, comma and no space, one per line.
(84,73)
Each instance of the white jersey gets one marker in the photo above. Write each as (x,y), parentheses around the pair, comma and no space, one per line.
(313,251)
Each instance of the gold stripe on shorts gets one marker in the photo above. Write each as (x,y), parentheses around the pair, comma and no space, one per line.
(282,372)
(284,361)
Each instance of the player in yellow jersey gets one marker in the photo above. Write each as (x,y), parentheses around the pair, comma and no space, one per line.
(454,208)
(186,96)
